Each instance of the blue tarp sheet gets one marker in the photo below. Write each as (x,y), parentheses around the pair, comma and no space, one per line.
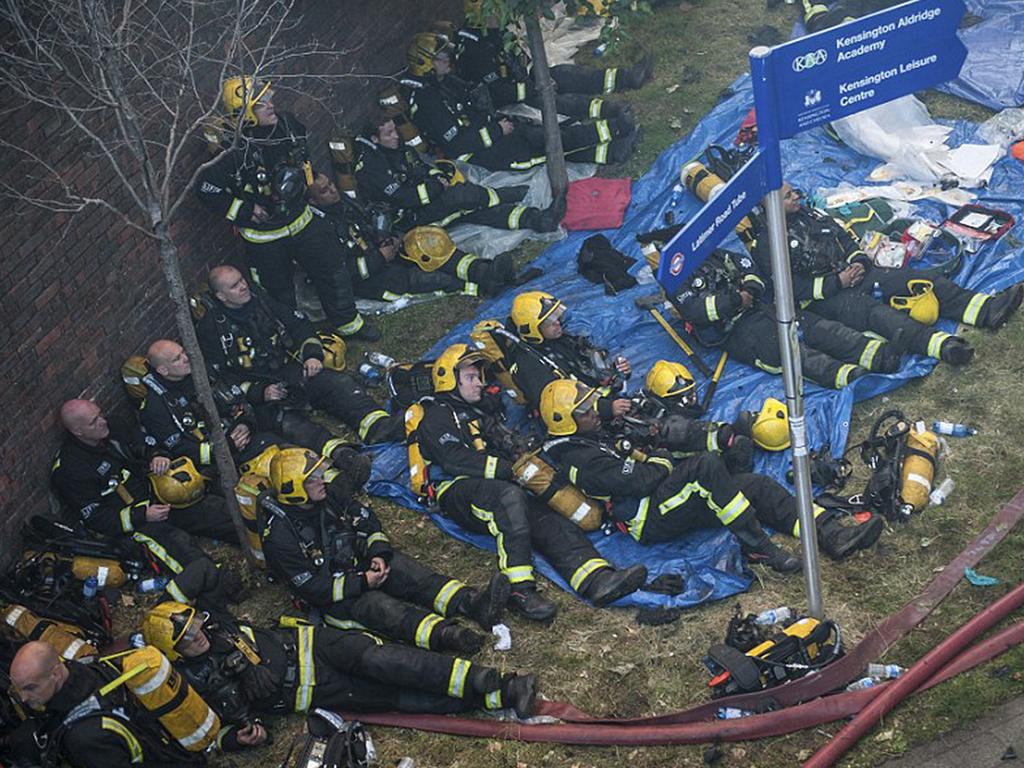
(709,561)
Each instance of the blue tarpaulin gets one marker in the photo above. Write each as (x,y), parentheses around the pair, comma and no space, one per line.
(710,561)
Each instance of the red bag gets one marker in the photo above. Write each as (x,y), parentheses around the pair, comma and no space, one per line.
(596,203)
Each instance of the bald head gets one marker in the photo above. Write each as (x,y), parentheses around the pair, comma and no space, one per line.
(37,673)
(84,419)
(229,286)
(168,358)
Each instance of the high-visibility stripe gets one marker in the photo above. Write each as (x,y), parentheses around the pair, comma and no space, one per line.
(712,441)
(818,290)
(636,525)
(594,110)
(493,700)
(582,573)
(233,209)
(515,574)
(72,648)
(490,467)
(364,270)
(711,308)
(201,733)
(753,279)
(867,357)
(573,473)
(374,538)
(338,588)
(732,510)
(158,551)
(514,215)
(457,679)
(247,631)
(601,154)
(389,296)
(126,519)
(269,235)
(307,672)
(205,452)
(520,91)
(470,289)
(518,574)
(935,344)
(818,510)
(485,137)
(425,629)
(974,306)
(175,592)
(331,446)
(341,623)
(351,326)
(368,421)
(116,726)
(660,461)
(444,596)
(463,265)
(493,198)
(162,673)
(421,191)
(609,79)
(843,375)
(604,133)
(525,165)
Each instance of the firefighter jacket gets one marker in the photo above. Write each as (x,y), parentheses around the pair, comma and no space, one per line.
(710,300)
(92,731)
(483,58)
(354,230)
(444,111)
(106,484)
(398,177)
(248,346)
(244,177)
(321,551)
(819,249)
(602,469)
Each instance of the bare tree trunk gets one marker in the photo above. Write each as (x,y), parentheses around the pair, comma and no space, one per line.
(557,175)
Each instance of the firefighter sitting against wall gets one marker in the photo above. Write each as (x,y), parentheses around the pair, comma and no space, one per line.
(655,499)
(461,123)
(244,672)
(419,193)
(83,726)
(493,57)
(386,265)
(275,357)
(471,481)
(259,186)
(834,278)
(332,553)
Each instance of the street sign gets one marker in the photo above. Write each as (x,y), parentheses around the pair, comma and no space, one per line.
(719,216)
(863,63)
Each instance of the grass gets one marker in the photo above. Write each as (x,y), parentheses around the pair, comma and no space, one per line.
(602,661)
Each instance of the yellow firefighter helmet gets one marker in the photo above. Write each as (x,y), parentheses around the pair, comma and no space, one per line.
(444,372)
(181,485)
(771,427)
(289,469)
(429,248)
(334,350)
(422,51)
(240,94)
(530,310)
(669,379)
(167,624)
(561,401)
(922,303)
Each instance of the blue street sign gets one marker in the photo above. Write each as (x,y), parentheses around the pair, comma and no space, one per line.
(719,216)
(866,62)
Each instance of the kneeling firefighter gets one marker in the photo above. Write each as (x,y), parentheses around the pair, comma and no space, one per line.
(244,671)
(333,554)
(654,500)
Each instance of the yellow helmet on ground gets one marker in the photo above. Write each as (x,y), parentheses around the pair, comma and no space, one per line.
(561,401)
(429,248)
(444,372)
(167,624)
(181,485)
(669,380)
(334,350)
(529,310)
(922,303)
(771,427)
(422,51)
(289,469)
(240,94)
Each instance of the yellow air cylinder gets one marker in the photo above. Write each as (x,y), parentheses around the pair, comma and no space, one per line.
(64,638)
(247,493)
(922,453)
(419,470)
(705,184)
(108,573)
(538,477)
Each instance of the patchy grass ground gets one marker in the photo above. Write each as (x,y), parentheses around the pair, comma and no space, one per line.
(602,661)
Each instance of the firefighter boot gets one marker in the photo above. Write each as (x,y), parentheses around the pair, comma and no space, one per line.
(512,194)
(530,604)
(1002,305)
(758,547)
(956,351)
(486,606)
(500,273)
(547,220)
(354,465)
(838,540)
(519,692)
(387,430)
(634,77)
(453,637)
(608,585)
(483,680)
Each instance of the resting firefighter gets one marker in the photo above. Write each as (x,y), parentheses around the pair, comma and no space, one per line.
(655,499)
(470,467)
(332,554)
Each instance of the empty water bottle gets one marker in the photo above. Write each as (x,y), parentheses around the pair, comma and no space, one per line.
(371,374)
(955,430)
(885,671)
(155,584)
(938,496)
(137,640)
(673,203)
(860,685)
(599,50)
(774,616)
(876,291)
(380,359)
(733,713)
(90,587)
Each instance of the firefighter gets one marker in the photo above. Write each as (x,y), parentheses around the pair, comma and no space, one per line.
(274,356)
(819,16)
(490,56)
(654,499)
(725,304)
(333,555)
(472,483)
(259,185)
(421,194)
(834,278)
(456,120)
(244,672)
(388,266)
(81,725)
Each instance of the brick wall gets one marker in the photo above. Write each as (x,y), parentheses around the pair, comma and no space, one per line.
(79,292)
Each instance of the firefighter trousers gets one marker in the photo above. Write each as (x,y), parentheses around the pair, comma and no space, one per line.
(317,250)
(171,546)
(469,274)
(474,204)
(519,525)
(955,303)
(581,106)
(411,605)
(524,148)
(208,517)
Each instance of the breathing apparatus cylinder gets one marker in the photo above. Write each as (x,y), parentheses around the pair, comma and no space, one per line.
(63,638)
(419,470)
(705,184)
(247,493)
(921,455)
(538,477)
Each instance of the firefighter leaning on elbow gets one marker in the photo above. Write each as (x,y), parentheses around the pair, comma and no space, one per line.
(332,553)
(259,185)
(471,481)
(655,499)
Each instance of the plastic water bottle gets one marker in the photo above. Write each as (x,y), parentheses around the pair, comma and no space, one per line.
(955,430)
(733,713)
(137,640)
(885,671)
(773,616)
(673,203)
(876,291)
(370,373)
(90,587)
(599,50)
(938,496)
(379,359)
(155,584)
(860,685)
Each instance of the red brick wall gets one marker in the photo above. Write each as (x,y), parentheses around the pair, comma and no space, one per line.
(80,292)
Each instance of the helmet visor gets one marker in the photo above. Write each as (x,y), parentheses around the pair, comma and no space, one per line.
(550,311)
(586,401)
(187,627)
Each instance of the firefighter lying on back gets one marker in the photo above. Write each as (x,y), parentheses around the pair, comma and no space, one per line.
(655,499)
(332,553)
